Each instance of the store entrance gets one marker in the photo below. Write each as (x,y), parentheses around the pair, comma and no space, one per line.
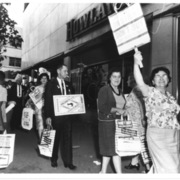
(95,76)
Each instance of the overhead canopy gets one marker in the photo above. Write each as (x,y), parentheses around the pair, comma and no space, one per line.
(50,64)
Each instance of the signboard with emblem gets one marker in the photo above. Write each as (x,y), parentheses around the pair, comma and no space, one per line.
(68,104)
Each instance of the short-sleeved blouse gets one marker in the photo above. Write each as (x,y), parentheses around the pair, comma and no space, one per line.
(161,109)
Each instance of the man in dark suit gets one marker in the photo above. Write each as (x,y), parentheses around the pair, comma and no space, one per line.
(62,124)
(16,94)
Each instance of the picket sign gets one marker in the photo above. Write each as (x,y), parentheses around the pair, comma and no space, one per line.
(27,118)
(47,142)
(129,28)
(127,141)
(7,142)
(36,97)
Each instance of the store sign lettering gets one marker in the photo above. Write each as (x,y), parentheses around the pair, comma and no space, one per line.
(76,27)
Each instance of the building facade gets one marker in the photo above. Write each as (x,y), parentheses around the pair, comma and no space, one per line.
(11,63)
(79,35)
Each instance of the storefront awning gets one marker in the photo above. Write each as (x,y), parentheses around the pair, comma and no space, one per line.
(49,64)
(167,9)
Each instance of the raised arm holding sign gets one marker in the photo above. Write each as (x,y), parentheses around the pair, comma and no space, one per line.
(138,53)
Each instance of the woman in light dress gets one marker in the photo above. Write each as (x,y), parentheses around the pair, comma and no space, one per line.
(161,111)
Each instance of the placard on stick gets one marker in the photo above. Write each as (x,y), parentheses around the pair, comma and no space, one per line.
(129,28)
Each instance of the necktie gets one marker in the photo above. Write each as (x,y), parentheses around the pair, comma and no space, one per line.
(62,85)
(19,91)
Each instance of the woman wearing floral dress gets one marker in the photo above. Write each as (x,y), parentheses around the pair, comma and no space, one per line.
(161,111)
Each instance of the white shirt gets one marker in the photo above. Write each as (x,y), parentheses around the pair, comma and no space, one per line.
(19,90)
(62,85)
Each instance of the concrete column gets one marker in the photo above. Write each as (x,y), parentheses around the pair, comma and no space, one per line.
(67,62)
(32,74)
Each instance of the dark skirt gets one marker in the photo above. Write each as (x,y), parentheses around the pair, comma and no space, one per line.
(107,138)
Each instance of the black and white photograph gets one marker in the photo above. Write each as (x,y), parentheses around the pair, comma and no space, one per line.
(89,89)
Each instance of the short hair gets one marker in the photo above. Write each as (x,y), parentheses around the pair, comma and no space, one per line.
(40,77)
(111,71)
(156,70)
(60,66)
(132,79)
(2,76)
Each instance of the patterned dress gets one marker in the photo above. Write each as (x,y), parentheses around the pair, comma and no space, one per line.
(136,110)
(161,110)
(163,131)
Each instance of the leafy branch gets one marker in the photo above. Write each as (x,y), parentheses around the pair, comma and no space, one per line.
(8,32)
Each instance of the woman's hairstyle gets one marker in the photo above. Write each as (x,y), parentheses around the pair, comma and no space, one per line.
(111,71)
(156,70)
(40,77)
(132,80)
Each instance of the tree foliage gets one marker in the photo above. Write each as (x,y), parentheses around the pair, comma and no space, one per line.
(8,32)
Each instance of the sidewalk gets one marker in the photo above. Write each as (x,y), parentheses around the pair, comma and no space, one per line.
(85,153)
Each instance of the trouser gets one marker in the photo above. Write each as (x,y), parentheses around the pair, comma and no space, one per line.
(63,138)
(17,115)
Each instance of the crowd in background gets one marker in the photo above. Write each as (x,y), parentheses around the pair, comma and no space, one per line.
(18,92)
(151,108)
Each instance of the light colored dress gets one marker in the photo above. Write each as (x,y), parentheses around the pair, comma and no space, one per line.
(162,131)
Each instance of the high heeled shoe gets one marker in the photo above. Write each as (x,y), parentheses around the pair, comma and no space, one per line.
(130,166)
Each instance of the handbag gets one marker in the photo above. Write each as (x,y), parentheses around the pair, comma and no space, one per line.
(47,142)
(27,118)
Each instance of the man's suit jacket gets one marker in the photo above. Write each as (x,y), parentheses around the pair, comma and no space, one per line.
(12,94)
(52,89)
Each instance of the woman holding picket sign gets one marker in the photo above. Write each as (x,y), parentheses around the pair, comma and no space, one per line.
(38,105)
(161,112)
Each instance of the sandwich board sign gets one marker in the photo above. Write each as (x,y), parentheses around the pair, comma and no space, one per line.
(69,104)
(129,28)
